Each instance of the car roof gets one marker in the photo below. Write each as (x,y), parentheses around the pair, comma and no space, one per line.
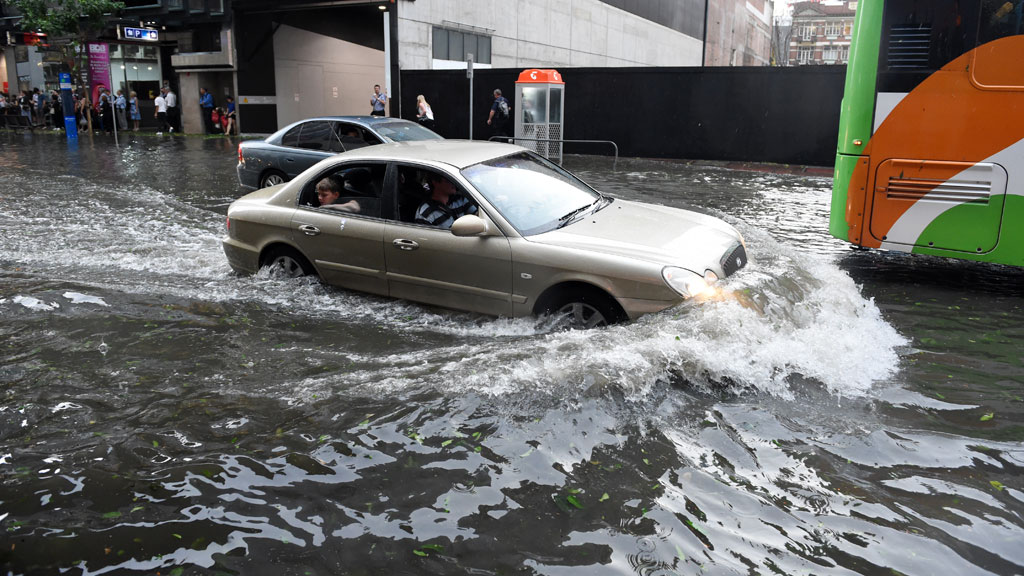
(367,121)
(458,153)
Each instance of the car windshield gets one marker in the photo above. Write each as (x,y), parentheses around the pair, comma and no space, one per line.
(404,131)
(534,195)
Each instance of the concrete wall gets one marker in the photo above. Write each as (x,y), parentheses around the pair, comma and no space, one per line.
(546,33)
(318,75)
(739,33)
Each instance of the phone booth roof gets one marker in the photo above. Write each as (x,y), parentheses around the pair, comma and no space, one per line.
(535,76)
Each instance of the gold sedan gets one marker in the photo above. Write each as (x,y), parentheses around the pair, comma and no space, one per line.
(482,227)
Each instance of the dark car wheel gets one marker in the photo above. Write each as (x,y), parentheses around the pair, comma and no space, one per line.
(287,263)
(582,309)
(271,178)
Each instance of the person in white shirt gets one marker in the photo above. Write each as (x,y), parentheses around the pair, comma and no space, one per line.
(161,113)
(424,114)
(173,117)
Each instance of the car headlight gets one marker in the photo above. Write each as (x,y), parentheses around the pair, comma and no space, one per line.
(687,283)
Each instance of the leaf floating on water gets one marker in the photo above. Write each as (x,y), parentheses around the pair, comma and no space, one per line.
(156,444)
(446,442)
(988,417)
(434,547)
(114,514)
(419,552)
(178,536)
(997,484)
(572,500)
(603,497)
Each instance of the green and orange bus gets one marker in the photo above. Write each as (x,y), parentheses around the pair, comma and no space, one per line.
(931,137)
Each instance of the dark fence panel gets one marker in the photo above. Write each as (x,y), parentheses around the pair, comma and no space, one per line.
(750,114)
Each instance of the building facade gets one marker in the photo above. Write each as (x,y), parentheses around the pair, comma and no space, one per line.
(821,33)
(284,60)
(739,33)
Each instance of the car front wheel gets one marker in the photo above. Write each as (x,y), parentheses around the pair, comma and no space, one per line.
(582,309)
(287,263)
(272,178)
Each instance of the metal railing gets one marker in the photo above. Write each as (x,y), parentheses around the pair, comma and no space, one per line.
(513,139)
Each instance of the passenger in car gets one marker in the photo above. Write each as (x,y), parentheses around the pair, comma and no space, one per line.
(445,204)
(327,192)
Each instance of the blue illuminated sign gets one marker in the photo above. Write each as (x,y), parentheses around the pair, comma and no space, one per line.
(148,34)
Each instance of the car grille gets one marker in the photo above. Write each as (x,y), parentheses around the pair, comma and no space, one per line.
(734,260)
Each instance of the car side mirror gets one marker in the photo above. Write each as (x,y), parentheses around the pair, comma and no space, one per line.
(471,225)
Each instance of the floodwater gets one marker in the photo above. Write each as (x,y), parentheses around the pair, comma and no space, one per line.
(832,411)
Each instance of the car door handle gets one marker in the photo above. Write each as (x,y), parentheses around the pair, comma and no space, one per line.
(403,244)
(309,230)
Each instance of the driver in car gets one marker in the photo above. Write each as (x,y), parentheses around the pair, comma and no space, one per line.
(327,192)
(445,204)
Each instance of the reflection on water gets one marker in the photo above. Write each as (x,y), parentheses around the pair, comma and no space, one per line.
(827,411)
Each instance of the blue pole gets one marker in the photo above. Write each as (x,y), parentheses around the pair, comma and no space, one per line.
(68,105)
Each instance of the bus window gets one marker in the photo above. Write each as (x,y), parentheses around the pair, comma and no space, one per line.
(996,63)
(920,37)
(999,19)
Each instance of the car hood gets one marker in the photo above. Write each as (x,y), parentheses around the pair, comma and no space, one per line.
(659,234)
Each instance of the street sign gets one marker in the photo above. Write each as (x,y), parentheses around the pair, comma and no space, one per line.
(469,65)
(146,34)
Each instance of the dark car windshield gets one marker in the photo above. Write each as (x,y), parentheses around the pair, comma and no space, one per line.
(404,131)
(533,194)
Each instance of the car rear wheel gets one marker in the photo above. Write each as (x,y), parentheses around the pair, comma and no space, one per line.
(271,178)
(287,263)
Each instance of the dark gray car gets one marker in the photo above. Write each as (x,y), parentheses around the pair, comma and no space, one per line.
(286,153)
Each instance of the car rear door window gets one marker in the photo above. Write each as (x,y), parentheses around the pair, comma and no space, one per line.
(315,136)
(291,138)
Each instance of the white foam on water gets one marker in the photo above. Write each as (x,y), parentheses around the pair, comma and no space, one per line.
(79,298)
(33,303)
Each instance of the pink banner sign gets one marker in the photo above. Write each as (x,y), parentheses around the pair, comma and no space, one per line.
(99,69)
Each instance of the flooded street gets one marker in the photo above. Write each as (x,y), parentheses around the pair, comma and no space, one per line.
(831,411)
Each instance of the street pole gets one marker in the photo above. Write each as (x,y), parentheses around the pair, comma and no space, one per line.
(469,74)
(110,102)
(67,104)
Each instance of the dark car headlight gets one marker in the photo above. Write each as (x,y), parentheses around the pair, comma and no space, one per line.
(686,283)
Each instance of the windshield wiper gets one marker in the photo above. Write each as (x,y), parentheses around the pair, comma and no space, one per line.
(568,217)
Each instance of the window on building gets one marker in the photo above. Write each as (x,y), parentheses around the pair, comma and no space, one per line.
(833,29)
(196,5)
(831,53)
(457,45)
(805,55)
(844,54)
(216,6)
(175,4)
(806,31)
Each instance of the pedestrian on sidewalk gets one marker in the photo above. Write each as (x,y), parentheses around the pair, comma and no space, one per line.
(206,107)
(499,114)
(424,115)
(121,110)
(228,121)
(378,101)
(161,113)
(173,111)
(133,102)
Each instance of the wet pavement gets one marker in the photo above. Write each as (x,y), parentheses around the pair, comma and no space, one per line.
(832,411)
